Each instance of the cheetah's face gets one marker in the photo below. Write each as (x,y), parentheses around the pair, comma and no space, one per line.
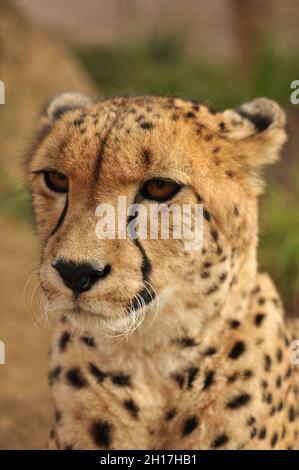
(148,151)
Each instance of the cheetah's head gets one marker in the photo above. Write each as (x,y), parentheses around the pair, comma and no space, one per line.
(147,151)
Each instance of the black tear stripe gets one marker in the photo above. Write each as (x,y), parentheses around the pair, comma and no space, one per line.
(146,293)
(60,220)
(146,265)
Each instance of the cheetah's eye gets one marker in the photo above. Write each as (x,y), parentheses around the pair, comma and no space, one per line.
(56,181)
(159,189)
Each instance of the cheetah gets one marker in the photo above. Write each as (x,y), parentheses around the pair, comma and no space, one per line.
(155,346)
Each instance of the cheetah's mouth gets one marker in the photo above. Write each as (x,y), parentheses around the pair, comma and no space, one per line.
(143,298)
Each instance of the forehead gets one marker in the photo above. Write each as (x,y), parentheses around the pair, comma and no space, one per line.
(125,140)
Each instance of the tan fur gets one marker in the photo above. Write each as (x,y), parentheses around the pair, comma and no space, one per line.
(196,373)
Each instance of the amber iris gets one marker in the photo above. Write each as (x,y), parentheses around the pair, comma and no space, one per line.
(159,189)
(56,181)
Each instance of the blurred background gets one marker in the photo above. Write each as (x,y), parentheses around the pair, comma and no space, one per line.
(220,52)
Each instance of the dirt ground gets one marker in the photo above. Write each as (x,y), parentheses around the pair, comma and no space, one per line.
(25,404)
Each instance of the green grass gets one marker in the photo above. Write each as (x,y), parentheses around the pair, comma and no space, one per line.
(16,203)
(279,239)
(159,66)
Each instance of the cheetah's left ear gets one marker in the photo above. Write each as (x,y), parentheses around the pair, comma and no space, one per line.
(259,128)
(63,103)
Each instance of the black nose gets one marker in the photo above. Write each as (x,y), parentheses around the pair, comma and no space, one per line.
(80,277)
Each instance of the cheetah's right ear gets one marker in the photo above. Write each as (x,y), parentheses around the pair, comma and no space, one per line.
(61,104)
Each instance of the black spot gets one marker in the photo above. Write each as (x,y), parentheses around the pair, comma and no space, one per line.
(89,341)
(192,374)
(180,379)
(207,265)
(262,434)
(57,416)
(78,122)
(220,441)
(267,363)
(190,424)
(64,340)
(288,372)
(284,431)
(292,414)
(75,378)
(54,374)
(279,355)
(255,290)
(214,234)
(146,156)
(97,373)
(278,381)
(187,342)
(219,250)
(280,406)
(236,211)
(212,290)
(189,115)
(170,414)
(121,380)
(204,274)
(146,125)
(264,384)
(239,401)
(234,324)
(272,411)
(232,378)
(208,380)
(247,374)
(210,351)
(274,439)
(222,277)
(207,215)
(237,350)
(131,406)
(251,421)
(140,118)
(259,319)
(101,432)
(261,300)
(269,398)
